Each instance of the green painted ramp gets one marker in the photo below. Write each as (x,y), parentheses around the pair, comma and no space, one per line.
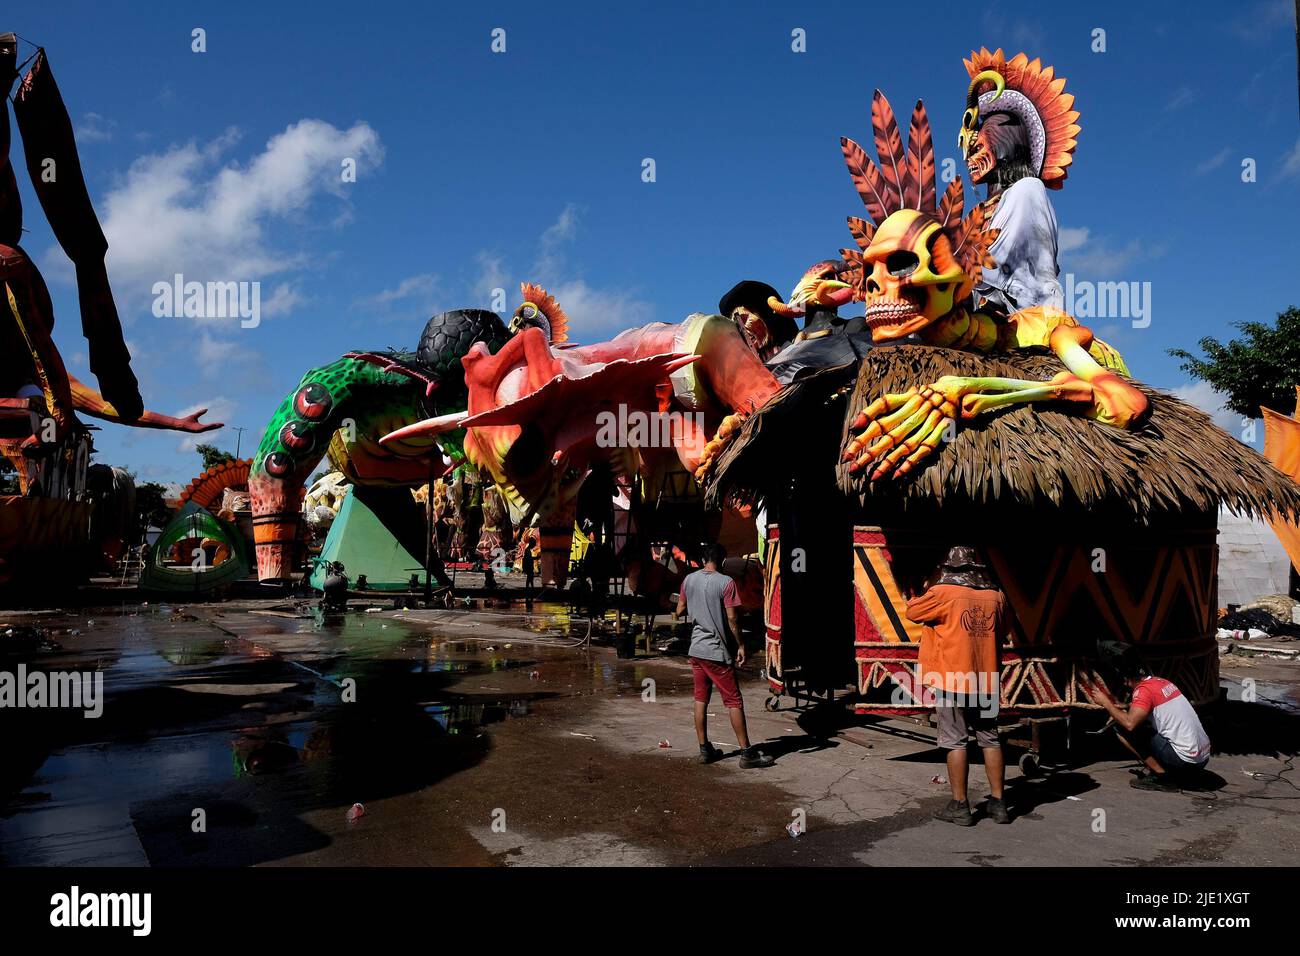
(359,541)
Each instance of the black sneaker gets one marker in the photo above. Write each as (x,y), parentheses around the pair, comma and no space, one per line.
(958,812)
(755,758)
(709,753)
(1154,781)
(997,810)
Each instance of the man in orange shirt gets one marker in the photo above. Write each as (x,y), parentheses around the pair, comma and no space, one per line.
(965,617)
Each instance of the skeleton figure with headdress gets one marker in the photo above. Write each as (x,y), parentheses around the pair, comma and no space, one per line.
(915,266)
(1018,135)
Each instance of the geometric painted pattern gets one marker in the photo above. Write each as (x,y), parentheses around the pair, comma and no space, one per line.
(772,608)
(1157,593)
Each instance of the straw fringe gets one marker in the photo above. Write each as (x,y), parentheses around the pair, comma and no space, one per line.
(1031,455)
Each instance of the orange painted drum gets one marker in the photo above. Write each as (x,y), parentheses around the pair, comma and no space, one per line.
(772,607)
(1152,588)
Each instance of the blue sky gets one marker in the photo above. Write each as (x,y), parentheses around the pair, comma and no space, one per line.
(479,169)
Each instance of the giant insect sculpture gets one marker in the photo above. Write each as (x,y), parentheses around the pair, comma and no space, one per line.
(534,416)
(541,416)
(343,410)
(918,264)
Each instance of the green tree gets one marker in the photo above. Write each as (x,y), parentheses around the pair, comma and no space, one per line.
(150,506)
(212,455)
(1262,367)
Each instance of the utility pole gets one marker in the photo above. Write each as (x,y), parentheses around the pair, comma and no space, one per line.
(239,437)
(428,530)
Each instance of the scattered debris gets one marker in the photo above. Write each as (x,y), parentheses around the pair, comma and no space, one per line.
(938,779)
(795,828)
(356,812)
(1250,634)
(1268,617)
(1280,606)
(665,744)
(574,733)
(24,639)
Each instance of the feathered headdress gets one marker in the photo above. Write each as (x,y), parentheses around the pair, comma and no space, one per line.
(1036,96)
(550,317)
(905,179)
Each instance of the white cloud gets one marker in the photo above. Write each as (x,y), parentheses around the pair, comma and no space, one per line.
(1090,257)
(94,128)
(550,251)
(422,285)
(1204,397)
(600,311)
(1071,239)
(1182,97)
(1213,162)
(492,275)
(214,354)
(1291,161)
(284,298)
(191,210)
(595,313)
(220,409)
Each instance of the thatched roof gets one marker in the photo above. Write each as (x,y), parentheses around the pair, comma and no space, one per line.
(1029,455)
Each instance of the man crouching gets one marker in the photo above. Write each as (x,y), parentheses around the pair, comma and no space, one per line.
(1159,726)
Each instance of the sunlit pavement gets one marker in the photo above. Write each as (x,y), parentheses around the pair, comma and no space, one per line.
(487,736)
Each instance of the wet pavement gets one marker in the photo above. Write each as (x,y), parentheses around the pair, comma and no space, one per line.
(243,733)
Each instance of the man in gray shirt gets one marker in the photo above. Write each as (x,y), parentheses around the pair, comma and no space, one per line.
(711,598)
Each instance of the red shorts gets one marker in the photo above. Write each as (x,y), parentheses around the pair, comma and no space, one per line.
(708,673)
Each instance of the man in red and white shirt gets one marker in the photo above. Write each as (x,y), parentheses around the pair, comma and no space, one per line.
(1160,726)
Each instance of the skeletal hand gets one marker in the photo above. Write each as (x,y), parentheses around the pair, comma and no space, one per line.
(902,429)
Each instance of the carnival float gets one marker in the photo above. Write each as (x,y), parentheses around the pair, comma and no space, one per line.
(965,406)
(45,523)
(974,420)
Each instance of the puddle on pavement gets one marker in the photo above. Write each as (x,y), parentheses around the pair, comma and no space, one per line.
(246,721)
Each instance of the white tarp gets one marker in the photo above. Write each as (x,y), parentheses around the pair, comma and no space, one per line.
(1252,561)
